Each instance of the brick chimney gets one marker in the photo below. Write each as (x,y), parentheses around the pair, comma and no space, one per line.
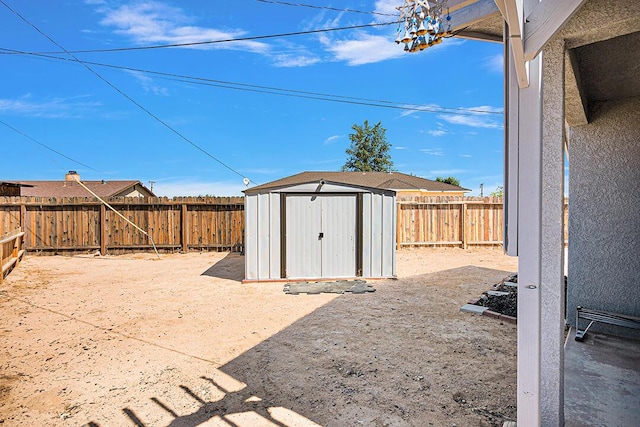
(72,176)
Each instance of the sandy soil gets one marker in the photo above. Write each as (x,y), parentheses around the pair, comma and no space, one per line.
(180,341)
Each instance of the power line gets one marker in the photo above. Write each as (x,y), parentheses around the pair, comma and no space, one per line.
(158,119)
(210,42)
(282,91)
(47,147)
(363,102)
(335,9)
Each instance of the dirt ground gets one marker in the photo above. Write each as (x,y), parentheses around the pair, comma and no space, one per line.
(135,341)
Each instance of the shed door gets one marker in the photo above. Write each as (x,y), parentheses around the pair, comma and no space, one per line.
(321,235)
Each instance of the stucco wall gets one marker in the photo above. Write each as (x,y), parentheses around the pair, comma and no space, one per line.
(604,212)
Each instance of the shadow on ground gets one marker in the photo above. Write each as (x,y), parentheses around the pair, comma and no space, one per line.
(231,267)
(402,356)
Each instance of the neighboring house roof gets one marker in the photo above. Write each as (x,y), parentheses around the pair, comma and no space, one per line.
(73,189)
(382,180)
(14,184)
(10,189)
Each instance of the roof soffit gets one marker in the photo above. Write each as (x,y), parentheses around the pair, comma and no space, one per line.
(598,20)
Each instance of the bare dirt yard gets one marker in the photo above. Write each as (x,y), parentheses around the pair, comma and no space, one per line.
(135,341)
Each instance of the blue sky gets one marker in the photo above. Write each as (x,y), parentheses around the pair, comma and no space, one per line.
(261,136)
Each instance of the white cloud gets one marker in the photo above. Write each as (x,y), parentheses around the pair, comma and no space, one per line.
(386,7)
(400,148)
(289,61)
(156,22)
(364,49)
(473,121)
(433,151)
(413,109)
(149,22)
(487,109)
(437,132)
(50,108)
(440,131)
(320,20)
(148,84)
(495,63)
(331,139)
(465,155)
(479,117)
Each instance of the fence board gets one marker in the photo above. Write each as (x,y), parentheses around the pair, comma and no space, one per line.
(11,251)
(61,225)
(9,219)
(459,221)
(217,223)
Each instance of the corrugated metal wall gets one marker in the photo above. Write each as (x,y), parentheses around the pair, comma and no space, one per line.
(304,247)
(321,235)
(339,241)
(331,210)
(379,230)
(262,236)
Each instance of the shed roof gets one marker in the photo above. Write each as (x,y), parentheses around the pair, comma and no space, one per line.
(379,180)
(73,189)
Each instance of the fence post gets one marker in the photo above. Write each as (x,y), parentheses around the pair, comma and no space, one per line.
(23,215)
(398,225)
(13,256)
(16,248)
(183,222)
(463,231)
(1,261)
(103,229)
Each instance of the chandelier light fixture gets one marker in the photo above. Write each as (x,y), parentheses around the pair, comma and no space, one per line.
(423,23)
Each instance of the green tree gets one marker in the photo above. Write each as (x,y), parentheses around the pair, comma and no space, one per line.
(499,192)
(449,180)
(369,150)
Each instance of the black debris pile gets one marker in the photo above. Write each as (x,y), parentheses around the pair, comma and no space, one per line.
(503,298)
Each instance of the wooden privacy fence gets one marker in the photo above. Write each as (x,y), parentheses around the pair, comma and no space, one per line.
(217,223)
(11,251)
(85,224)
(456,221)
(460,221)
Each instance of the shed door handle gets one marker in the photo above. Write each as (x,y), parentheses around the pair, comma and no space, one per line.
(321,235)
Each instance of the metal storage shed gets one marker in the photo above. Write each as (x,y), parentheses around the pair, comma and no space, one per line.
(320,225)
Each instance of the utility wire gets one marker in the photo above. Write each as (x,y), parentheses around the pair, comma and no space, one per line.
(284,3)
(95,73)
(423,108)
(282,91)
(207,42)
(77,179)
(47,147)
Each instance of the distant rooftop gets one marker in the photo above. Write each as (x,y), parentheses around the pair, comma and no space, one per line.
(73,189)
(69,187)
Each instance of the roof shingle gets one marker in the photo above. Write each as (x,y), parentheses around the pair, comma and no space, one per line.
(381,180)
(73,189)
